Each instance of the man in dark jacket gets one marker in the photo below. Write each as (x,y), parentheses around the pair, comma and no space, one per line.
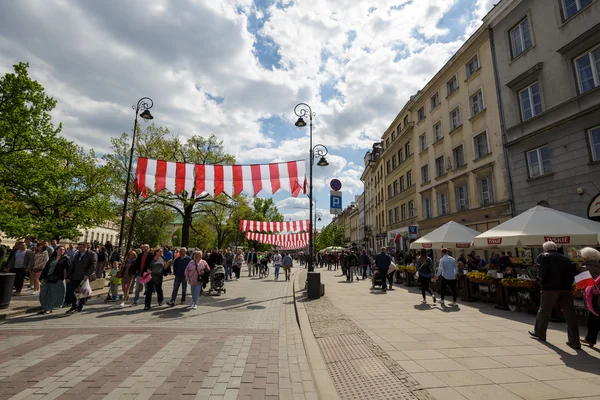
(179,266)
(382,263)
(141,264)
(556,274)
(252,261)
(364,262)
(82,268)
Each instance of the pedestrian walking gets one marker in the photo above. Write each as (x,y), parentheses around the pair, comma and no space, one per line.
(115,280)
(382,263)
(556,274)
(277,261)
(41,258)
(591,262)
(156,268)
(141,264)
(83,268)
(352,261)
(287,266)
(364,262)
(19,261)
(447,270)
(179,267)
(195,274)
(425,270)
(238,262)
(228,256)
(252,261)
(53,290)
(127,276)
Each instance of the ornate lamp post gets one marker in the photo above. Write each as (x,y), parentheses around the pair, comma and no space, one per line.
(303,110)
(144,104)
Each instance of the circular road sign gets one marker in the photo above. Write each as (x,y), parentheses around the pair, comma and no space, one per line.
(335,184)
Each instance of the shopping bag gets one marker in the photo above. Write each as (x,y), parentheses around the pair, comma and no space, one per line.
(145,278)
(84,290)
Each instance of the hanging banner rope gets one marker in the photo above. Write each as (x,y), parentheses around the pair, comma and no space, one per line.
(195,179)
(262,226)
(278,240)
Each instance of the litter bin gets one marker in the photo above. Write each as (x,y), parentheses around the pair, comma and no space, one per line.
(7,281)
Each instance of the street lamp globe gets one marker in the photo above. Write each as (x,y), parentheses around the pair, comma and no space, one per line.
(146,115)
(323,162)
(300,123)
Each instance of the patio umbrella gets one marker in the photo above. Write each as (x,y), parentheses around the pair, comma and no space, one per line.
(451,234)
(541,224)
(334,249)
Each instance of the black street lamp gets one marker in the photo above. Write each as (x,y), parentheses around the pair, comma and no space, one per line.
(303,110)
(145,104)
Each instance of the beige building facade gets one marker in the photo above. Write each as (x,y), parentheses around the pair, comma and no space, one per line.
(459,159)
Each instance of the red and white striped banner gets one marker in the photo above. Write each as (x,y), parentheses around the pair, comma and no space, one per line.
(262,226)
(292,239)
(300,245)
(176,177)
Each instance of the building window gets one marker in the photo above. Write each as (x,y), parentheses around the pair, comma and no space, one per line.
(520,38)
(409,181)
(439,166)
(458,154)
(423,142)
(572,7)
(396,216)
(530,101)
(398,129)
(472,66)
(411,209)
(407,149)
(480,145)
(426,208)
(402,184)
(435,100)
(452,85)
(387,143)
(455,121)
(393,135)
(403,212)
(389,191)
(394,162)
(421,114)
(538,161)
(395,188)
(477,105)
(443,203)
(425,174)
(388,166)
(405,121)
(486,191)
(400,158)
(390,217)
(588,70)
(462,198)
(437,131)
(594,134)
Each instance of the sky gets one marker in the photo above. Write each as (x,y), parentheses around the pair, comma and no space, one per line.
(237,68)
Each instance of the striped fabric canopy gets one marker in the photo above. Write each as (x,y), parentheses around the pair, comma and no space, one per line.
(293,239)
(195,179)
(262,226)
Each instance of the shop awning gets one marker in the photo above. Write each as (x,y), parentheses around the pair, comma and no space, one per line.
(451,235)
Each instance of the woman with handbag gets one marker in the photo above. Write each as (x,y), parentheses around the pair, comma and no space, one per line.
(195,274)
(156,269)
(591,262)
(52,292)
(425,270)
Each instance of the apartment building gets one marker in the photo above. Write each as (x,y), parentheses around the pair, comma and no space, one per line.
(459,158)
(548,74)
(368,179)
(373,178)
(400,186)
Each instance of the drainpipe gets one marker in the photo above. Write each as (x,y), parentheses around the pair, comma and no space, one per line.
(502,123)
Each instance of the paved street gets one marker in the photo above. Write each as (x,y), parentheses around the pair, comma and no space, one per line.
(245,344)
(471,352)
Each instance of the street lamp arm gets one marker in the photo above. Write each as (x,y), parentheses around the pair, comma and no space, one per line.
(320,151)
(145,103)
(303,110)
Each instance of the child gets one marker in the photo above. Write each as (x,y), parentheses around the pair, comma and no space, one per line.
(115,282)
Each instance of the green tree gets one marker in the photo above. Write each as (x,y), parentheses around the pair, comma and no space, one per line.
(222,218)
(266,210)
(52,194)
(331,235)
(153,226)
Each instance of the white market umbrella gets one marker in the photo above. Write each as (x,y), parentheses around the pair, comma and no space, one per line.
(541,224)
(451,234)
(334,249)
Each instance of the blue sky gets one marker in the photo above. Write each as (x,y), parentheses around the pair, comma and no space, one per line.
(237,68)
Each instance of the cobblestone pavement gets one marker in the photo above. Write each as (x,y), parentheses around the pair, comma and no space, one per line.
(244,344)
(469,352)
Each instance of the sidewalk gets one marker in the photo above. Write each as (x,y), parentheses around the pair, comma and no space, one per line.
(455,353)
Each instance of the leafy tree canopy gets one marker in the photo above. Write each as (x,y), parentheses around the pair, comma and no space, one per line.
(331,235)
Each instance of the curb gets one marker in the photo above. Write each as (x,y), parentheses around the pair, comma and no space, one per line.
(323,382)
(33,310)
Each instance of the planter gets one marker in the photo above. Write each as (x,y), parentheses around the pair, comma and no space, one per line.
(7,281)
(525,285)
(410,279)
(485,290)
(483,281)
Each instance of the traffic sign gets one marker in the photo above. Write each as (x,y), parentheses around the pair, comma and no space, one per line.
(335,202)
(335,184)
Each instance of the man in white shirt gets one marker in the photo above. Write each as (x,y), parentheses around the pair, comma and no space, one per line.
(277,259)
(447,269)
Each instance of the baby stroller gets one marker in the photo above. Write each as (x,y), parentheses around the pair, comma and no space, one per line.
(377,281)
(217,280)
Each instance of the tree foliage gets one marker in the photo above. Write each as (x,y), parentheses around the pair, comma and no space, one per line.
(331,235)
(153,226)
(48,186)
